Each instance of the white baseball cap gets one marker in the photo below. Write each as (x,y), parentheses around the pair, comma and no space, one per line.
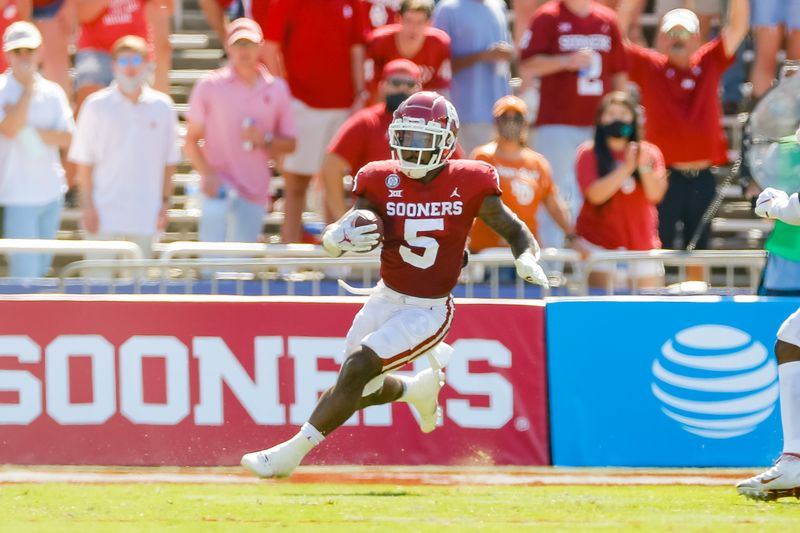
(680,17)
(21,34)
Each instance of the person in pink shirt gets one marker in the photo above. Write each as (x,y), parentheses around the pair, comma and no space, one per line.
(243,116)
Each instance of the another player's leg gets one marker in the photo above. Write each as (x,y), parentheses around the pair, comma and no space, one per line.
(783,479)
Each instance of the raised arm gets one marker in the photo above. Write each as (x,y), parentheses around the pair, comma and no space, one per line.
(735,30)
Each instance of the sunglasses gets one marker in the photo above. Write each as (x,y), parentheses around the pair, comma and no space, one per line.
(680,34)
(516,117)
(130,61)
(400,82)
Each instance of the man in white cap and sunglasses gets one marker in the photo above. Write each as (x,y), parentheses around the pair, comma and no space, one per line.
(35,121)
(680,91)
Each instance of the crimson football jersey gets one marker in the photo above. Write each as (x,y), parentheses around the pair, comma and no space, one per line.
(433,58)
(425,225)
(572,97)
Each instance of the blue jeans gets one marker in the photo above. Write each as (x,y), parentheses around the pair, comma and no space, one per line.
(31,222)
(230,219)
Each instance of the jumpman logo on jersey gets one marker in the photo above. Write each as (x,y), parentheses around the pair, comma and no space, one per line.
(455,194)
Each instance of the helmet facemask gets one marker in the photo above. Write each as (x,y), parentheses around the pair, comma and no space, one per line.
(420,148)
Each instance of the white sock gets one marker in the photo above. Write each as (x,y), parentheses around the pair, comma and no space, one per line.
(789,376)
(303,442)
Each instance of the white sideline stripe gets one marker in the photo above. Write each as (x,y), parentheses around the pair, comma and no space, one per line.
(25,476)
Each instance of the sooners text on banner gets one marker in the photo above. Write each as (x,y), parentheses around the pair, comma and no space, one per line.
(200,381)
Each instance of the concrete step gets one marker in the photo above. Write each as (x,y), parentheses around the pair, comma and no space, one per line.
(196,59)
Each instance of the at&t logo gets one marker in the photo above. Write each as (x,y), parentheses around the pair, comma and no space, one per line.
(715,381)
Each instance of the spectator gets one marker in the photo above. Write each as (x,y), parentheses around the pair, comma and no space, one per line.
(322,43)
(102,23)
(56,20)
(413,39)
(35,121)
(622,179)
(524,175)
(482,50)
(239,117)
(125,151)
(773,21)
(680,92)
(363,137)
(576,49)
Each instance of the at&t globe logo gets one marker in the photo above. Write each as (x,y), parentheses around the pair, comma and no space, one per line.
(715,381)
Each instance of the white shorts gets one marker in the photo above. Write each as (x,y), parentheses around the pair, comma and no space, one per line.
(643,268)
(315,129)
(790,329)
(399,328)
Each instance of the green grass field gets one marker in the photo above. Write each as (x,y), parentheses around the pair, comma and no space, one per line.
(351,508)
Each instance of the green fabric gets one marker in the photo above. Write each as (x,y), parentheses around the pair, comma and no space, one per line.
(784,241)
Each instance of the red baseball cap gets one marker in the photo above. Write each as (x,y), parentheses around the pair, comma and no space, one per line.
(244,28)
(402,67)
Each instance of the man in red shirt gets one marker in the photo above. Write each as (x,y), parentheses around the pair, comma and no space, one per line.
(427,205)
(680,91)
(363,138)
(318,46)
(575,47)
(414,39)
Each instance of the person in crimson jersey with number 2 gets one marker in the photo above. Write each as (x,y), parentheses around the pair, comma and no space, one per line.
(427,204)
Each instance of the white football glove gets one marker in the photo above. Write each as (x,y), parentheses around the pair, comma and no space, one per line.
(776,204)
(342,237)
(529,270)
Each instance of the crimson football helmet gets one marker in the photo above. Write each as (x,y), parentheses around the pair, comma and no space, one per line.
(422,134)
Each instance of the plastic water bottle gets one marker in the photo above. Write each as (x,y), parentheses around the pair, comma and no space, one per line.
(247,146)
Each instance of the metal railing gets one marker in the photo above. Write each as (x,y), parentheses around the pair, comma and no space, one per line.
(736,271)
(63,247)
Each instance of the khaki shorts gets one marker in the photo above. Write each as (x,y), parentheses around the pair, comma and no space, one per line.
(315,129)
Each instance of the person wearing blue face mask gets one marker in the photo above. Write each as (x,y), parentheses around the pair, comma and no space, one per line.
(622,179)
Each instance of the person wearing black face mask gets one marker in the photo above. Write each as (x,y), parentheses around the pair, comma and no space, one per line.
(363,137)
(622,179)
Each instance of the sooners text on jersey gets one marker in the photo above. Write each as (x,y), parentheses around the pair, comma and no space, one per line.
(425,225)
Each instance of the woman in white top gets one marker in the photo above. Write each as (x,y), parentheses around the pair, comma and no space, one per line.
(35,121)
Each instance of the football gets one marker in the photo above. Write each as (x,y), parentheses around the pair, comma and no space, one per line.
(364,217)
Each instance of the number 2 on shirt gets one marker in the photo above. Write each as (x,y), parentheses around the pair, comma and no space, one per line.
(429,245)
(589,82)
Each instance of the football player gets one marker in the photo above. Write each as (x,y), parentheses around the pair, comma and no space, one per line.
(427,204)
(783,479)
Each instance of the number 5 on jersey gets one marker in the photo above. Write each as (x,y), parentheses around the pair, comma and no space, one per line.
(429,245)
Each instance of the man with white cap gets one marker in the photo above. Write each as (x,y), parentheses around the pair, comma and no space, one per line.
(680,92)
(35,121)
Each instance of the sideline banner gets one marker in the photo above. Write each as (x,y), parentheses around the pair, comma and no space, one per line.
(664,382)
(199,381)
